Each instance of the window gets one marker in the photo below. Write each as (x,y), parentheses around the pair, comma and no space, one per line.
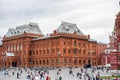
(30,52)
(57,61)
(83,51)
(75,61)
(43,51)
(33,52)
(75,44)
(83,61)
(79,62)
(43,62)
(75,51)
(64,51)
(69,61)
(17,31)
(30,61)
(36,52)
(64,43)
(37,62)
(64,61)
(68,51)
(53,61)
(47,62)
(40,62)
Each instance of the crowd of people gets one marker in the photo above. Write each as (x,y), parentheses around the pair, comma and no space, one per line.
(93,73)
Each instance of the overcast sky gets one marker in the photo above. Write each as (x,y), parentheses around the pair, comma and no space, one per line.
(94,17)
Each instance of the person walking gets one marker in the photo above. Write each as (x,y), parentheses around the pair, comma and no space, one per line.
(60,78)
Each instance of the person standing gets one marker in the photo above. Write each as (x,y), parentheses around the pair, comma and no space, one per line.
(60,78)
(47,78)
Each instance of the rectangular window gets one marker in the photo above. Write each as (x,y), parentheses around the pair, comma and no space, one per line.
(64,51)
(75,51)
(30,52)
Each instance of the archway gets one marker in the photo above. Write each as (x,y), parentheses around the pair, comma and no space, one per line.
(14,64)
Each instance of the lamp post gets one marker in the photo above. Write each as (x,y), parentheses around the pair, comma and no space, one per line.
(106,52)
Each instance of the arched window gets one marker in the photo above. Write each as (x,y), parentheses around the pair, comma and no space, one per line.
(64,50)
(75,61)
(43,62)
(40,62)
(79,62)
(47,61)
(83,61)
(69,61)
(64,61)
(36,52)
(57,61)
(53,61)
(37,62)
(30,52)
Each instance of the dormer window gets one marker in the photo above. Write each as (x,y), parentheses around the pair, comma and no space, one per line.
(66,28)
(12,33)
(18,32)
(15,32)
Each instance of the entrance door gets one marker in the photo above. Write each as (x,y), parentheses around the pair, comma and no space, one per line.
(14,64)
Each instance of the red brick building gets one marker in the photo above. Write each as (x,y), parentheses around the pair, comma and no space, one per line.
(113,55)
(101,50)
(26,46)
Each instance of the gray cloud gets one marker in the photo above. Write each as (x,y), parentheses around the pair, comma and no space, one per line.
(94,17)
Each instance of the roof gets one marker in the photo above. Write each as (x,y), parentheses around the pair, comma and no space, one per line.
(29,28)
(68,28)
(0,41)
(101,43)
(92,40)
(9,54)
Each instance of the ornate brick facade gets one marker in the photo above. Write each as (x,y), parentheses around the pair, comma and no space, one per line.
(67,46)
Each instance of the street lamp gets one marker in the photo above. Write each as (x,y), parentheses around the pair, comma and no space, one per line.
(106,53)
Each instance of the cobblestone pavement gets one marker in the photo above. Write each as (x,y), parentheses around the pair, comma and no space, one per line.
(53,74)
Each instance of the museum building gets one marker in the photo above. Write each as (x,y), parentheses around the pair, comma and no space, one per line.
(66,46)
